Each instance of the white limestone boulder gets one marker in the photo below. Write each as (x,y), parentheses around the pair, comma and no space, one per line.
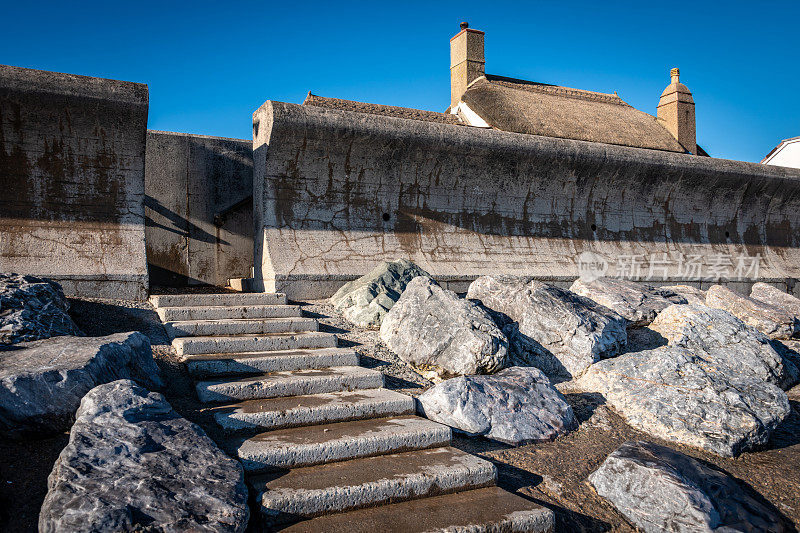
(516,406)
(42,382)
(660,490)
(133,464)
(442,335)
(774,322)
(32,308)
(724,340)
(564,332)
(775,297)
(639,303)
(676,394)
(693,295)
(366,300)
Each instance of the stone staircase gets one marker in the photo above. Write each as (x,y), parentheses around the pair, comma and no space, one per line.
(324,446)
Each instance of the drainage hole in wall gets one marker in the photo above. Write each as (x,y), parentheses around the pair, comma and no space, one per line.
(727,234)
(386,217)
(594,227)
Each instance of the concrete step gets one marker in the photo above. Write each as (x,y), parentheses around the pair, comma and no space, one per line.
(487,510)
(328,407)
(253,343)
(216,312)
(209,365)
(291,383)
(228,298)
(347,485)
(242,284)
(239,326)
(339,441)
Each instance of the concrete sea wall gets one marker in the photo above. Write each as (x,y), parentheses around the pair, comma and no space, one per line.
(199,208)
(72,180)
(335,192)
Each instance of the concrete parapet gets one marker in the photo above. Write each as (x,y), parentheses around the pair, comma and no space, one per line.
(336,191)
(72,180)
(199,208)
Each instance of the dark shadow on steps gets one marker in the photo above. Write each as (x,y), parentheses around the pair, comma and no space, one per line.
(310,314)
(331,329)
(515,479)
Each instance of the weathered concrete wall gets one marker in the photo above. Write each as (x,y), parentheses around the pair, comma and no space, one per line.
(336,192)
(199,208)
(72,181)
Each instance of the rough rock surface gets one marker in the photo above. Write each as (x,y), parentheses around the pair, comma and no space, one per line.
(693,295)
(661,490)
(676,394)
(515,406)
(32,308)
(42,382)
(724,340)
(134,464)
(439,333)
(773,321)
(568,332)
(366,300)
(776,297)
(637,302)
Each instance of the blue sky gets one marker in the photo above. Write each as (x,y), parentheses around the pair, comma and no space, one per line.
(209,65)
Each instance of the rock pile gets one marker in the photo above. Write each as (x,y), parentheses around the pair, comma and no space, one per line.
(133,464)
(365,301)
(637,302)
(32,308)
(564,332)
(661,490)
(517,405)
(775,322)
(42,382)
(442,335)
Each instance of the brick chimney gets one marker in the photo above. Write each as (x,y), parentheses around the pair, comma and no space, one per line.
(676,112)
(466,61)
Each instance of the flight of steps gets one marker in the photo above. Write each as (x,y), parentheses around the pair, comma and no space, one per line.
(324,446)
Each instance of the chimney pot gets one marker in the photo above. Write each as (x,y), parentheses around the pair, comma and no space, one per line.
(464,25)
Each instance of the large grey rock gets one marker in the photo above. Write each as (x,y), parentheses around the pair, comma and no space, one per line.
(724,340)
(661,490)
(637,302)
(32,308)
(441,334)
(678,395)
(774,296)
(566,332)
(134,464)
(42,382)
(773,321)
(693,295)
(366,300)
(516,405)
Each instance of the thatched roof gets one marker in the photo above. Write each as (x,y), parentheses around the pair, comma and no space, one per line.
(377,109)
(540,109)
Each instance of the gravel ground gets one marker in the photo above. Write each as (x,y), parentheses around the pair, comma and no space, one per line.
(552,473)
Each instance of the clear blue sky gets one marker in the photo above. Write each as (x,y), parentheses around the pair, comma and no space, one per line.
(209,65)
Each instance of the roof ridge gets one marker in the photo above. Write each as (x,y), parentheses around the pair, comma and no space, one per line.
(569,92)
(380,109)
